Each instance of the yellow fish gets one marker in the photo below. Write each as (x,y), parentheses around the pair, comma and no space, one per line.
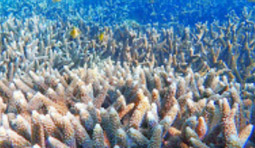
(101,36)
(75,32)
(56,1)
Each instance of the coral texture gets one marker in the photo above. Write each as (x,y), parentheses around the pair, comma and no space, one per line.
(125,85)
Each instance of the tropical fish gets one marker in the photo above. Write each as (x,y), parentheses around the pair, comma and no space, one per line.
(101,36)
(75,32)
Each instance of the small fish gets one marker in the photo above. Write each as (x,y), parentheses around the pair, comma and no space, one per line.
(75,32)
(101,36)
(56,1)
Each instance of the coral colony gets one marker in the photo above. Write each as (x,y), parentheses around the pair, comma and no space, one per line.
(81,83)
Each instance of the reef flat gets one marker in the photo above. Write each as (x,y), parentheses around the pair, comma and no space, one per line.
(90,79)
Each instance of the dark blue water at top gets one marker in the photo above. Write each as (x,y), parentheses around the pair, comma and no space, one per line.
(109,12)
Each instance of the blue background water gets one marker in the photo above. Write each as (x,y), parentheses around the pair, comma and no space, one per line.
(109,12)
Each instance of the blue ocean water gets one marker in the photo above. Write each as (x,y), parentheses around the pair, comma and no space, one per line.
(108,12)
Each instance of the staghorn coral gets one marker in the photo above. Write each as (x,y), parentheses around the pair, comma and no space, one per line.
(226,47)
(201,121)
(139,86)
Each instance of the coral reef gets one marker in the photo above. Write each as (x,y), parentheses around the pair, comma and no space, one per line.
(137,106)
(125,84)
(36,43)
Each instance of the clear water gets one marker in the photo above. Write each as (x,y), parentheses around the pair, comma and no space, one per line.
(108,12)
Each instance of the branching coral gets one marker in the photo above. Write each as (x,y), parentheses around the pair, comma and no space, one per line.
(128,85)
(227,46)
(137,115)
